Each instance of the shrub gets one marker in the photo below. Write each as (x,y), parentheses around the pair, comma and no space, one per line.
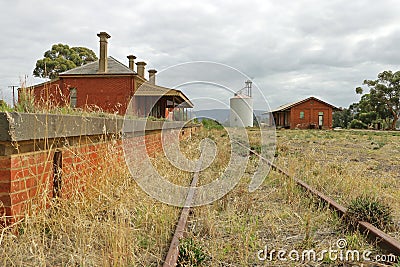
(357,124)
(368,209)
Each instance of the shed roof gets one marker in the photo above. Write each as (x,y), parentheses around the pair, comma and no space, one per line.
(293,104)
(113,65)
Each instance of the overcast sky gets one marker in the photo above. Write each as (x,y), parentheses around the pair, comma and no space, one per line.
(292,49)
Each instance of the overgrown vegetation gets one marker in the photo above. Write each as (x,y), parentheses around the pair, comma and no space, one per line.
(191,254)
(211,124)
(279,214)
(111,223)
(4,106)
(26,104)
(346,165)
(114,223)
(369,209)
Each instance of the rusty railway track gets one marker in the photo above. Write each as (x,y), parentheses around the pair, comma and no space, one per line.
(373,234)
(173,252)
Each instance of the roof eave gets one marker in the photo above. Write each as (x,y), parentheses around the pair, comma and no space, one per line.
(96,74)
(291,105)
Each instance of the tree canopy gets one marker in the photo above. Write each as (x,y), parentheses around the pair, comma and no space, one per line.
(342,118)
(383,99)
(61,58)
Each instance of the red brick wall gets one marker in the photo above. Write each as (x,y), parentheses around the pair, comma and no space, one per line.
(48,93)
(26,180)
(5,185)
(22,178)
(311,108)
(91,92)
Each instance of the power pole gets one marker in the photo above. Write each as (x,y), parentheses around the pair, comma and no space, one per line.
(13,94)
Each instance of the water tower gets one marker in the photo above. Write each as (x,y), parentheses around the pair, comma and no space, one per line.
(241,112)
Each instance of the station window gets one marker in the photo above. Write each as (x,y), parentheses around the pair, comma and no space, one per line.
(72,97)
(301,114)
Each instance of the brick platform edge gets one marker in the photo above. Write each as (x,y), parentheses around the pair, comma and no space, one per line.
(46,155)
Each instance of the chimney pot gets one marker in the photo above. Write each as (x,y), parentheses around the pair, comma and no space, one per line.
(131,62)
(103,61)
(140,68)
(152,76)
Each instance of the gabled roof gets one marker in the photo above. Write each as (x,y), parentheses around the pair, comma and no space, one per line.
(92,68)
(293,104)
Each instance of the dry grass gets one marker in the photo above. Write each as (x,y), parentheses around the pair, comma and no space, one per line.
(114,223)
(346,164)
(233,229)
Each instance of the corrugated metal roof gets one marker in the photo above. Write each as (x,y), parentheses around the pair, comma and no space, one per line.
(152,90)
(114,67)
(155,90)
(287,106)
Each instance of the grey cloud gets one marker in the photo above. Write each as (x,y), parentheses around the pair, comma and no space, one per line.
(293,49)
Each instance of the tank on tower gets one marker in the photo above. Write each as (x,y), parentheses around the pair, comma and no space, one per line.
(241,104)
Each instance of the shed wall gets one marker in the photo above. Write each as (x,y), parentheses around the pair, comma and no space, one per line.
(311,109)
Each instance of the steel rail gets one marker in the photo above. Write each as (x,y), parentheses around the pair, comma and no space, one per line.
(173,253)
(373,234)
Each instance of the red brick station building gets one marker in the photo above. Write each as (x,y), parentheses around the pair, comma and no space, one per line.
(309,113)
(108,85)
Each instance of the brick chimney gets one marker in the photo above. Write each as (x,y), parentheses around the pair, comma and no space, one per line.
(103,61)
(152,76)
(140,68)
(131,62)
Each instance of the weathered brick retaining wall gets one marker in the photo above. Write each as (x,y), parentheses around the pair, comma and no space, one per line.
(43,156)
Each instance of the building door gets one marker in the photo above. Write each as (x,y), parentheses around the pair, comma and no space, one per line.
(286,119)
(320,119)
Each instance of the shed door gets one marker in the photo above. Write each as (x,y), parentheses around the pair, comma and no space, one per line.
(320,118)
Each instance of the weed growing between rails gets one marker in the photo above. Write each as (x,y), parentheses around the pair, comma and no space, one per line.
(347,165)
(112,222)
(231,231)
